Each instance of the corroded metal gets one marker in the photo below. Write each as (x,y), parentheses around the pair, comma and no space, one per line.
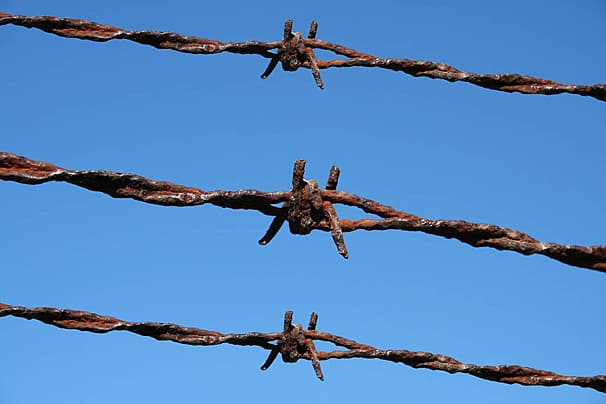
(294,51)
(305,208)
(294,343)
(311,347)
(305,203)
(92,31)
(120,185)
(331,214)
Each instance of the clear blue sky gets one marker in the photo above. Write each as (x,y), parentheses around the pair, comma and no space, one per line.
(428,147)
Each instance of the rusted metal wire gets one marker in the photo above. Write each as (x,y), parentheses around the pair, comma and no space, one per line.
(294,51)
(294,343)
(305,207)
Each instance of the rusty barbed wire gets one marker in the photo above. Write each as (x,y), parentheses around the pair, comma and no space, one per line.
(294,52)
(305,207)
(295,343)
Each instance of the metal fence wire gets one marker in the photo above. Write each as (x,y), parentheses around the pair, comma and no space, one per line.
(305,207)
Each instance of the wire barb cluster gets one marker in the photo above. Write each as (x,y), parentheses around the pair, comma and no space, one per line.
(306,207)
(294,51)
(294,343)
(305,210)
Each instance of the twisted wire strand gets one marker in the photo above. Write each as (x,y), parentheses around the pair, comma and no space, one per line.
(91,322)
(89,30)
(119,185)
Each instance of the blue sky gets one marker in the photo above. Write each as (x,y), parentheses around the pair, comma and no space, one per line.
(428,147)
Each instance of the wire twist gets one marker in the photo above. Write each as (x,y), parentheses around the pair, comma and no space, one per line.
(306,207)
(294,344)
(294,51)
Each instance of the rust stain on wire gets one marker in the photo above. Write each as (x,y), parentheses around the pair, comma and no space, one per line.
(305,207)
(294,51)
(294,343)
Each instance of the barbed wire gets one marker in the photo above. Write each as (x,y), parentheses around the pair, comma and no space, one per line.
(305,207)
(294,52)
(294,343)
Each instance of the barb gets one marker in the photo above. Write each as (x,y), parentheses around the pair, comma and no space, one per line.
(294,344)
(294,51)
(306,208)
